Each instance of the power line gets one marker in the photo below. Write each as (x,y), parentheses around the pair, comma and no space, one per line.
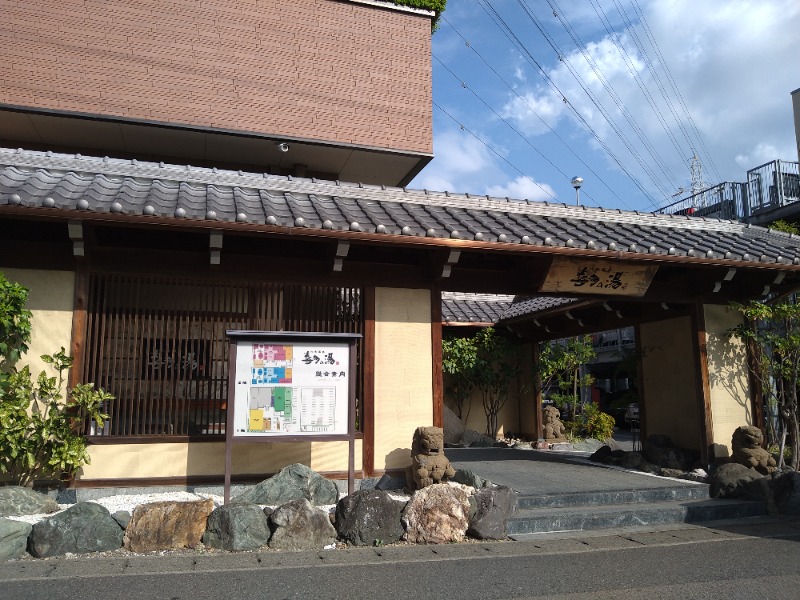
(496,153)
(514,39)
(674,86)
(621,106)
(525,102)
(590,95)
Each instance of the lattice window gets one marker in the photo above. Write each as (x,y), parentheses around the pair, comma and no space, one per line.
(158,344)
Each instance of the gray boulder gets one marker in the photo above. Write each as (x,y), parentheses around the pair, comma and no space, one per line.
(493,507)
(13,538)
(453,426)
(237,527)
(632,460)
(84,527)
(368,518)
(297,525)
(658,449)
(291,483)
(16,501)
(786,488)
(466,477)
(733,480)
(473,439)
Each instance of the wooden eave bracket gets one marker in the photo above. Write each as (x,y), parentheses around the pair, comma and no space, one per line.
(215,247)
(75,229)
(342,248)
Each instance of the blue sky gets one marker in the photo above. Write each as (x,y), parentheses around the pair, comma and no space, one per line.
(647,84)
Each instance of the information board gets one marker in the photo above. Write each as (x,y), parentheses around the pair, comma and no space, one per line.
(291,388)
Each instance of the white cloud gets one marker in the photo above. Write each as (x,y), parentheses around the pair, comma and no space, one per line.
(522,188)
(735,64)
(463,163)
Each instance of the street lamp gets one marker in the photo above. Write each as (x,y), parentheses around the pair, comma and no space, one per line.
(577,182)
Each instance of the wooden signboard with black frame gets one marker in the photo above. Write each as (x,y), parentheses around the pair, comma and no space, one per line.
(291,387)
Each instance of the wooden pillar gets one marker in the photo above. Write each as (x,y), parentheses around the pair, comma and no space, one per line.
(368,388)
(436,348)
(702,387)
(537,397)
(79,323)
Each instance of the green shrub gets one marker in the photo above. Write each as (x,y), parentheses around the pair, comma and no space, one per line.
(39,427)
(591,423)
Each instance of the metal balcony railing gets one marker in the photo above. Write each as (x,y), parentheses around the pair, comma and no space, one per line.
(726,200)
(769,193)
(772,186)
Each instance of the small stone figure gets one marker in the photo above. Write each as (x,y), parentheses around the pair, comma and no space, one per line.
(747,450)
(429,465)
(553,427)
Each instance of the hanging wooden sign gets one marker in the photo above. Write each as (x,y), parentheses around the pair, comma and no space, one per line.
(598,277)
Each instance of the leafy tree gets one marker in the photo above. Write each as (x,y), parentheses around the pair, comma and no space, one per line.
(486,362)
(559,365)
(496,366)
(772,334)
(38,425)
(458,360)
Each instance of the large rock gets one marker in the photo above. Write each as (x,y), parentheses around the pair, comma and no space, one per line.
(167,525)
(658,449)
(83,527)
(786,488)
(13,538)
(733,480)
(453,427)
(16,501)
(493,507)
(369,517)
(291,483)
(466,477)
(237,527)
(298,525)
(473,439)
(437,514)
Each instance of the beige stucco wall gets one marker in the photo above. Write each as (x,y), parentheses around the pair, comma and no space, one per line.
(50,300)
(124,461)
(729,385)
(668,377)
(403,372)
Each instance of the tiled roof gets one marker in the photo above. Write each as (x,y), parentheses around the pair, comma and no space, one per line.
(528,305)
(108,186)
(460,307)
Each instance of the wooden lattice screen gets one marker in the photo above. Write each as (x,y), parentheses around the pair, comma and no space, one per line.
(158,344)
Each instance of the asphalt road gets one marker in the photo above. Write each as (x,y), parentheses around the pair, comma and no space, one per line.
(686,563)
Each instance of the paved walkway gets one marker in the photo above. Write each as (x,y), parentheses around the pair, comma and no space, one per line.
(535,472)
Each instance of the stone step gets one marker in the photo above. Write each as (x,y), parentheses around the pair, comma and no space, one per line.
(615,497)
(590,517)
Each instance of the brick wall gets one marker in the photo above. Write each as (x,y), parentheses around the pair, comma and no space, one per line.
(318,69)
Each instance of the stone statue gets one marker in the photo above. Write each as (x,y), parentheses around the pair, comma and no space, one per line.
(429,465)
(553,427)
(747,450)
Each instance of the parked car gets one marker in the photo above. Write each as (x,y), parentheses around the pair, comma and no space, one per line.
(632,413)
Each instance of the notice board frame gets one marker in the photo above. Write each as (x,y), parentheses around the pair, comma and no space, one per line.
(235,337)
